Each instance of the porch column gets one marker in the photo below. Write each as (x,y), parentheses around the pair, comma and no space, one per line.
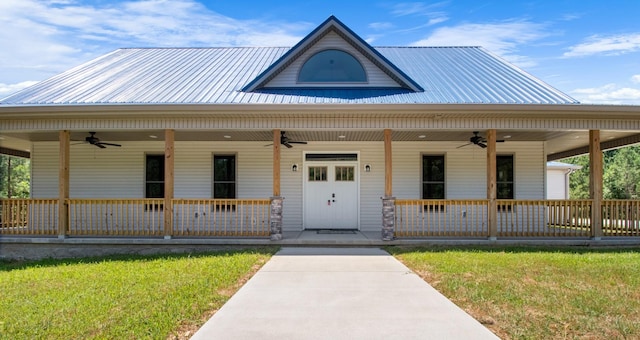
(169,139)
(276,200)
(388,201)
(63,183)
(492,222)
(595,183)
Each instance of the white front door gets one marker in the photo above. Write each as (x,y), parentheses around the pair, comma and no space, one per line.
(331,195)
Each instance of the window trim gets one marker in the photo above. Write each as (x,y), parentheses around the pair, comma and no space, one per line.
(422,181)
(153,207)
(213,175)
(513,175)
(439,208)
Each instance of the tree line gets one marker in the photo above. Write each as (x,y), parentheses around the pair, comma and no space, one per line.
(15,175)
(621,177)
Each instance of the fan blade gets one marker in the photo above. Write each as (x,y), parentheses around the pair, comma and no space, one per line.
(111,144)
(482,145)
(463,145)
(269,144)
(100,145)
(296,142)
(287,145)
(500,141)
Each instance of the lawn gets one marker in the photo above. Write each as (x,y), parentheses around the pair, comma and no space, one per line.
(538,293)
(134,297)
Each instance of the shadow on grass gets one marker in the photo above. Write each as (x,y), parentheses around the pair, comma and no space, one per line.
(395,250)
(9,265)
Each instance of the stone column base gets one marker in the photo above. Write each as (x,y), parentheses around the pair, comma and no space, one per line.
(276,218)
(388,218)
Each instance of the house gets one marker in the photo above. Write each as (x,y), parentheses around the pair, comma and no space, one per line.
(558,179)
(329,134)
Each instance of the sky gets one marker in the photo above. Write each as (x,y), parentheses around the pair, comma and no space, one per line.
(589,49)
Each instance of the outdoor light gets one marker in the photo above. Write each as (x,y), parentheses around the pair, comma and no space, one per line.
(294,168)
(367,168)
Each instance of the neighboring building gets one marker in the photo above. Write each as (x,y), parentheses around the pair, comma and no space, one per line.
(558,177)
(410,141)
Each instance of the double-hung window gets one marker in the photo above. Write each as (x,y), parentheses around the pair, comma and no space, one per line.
(433,180)
(433,177)
(504,177)
(224,177)
(154,180)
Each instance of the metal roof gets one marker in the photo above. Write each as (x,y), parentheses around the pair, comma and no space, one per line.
(456,75)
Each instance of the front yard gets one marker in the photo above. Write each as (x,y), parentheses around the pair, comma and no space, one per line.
(131,297)
(538,293)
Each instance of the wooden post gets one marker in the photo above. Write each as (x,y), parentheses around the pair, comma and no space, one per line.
(595,182)
(169,160)
(388,164)
(276,163)
(63,183)
(492,184)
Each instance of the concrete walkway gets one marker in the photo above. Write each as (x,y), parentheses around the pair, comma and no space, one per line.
(339,293)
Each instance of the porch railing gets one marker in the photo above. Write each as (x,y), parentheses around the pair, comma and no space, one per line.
(621,218)
(544,218)
(421,218)
(221,217)
(28,216)
(116,217)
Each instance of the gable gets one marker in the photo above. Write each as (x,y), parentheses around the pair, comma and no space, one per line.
(332,34)
(375,77)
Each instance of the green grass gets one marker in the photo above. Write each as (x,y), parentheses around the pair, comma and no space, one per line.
(133,297)
(538,293)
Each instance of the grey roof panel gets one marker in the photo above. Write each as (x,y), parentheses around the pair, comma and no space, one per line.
(459,75)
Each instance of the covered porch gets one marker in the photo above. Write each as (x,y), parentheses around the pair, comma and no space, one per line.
(401,216)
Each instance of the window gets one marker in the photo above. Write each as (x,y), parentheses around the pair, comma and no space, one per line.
(504,177)
(433,177)
(224,176)
(332,66)
(345,174)
(317,174)
(154,176)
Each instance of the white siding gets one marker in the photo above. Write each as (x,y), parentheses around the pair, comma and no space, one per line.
(289,76)
(466,168)
(119,172)
(556,184)
(371,184)
(44,170)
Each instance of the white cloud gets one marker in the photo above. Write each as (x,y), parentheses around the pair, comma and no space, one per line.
(608,94)
(416,8)
(635,78)
(380,26)
(431,11)
(41,38)
(7,89)
(609,45)
(503,38)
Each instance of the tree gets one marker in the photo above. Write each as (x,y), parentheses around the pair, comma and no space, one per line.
(579,180)
(622,174)
(15,177)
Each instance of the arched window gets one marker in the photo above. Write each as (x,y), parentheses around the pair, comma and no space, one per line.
(332,66)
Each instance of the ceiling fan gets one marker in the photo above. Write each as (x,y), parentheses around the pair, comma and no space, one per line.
(93,140)
(478,140)
(286,141)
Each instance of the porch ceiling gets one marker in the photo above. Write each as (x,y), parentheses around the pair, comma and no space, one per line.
(557,141)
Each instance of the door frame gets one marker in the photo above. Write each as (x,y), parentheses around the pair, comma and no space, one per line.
(357,173)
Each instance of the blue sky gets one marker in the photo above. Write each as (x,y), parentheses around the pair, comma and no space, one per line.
(586,48)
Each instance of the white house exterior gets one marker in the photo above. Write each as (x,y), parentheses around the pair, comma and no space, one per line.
(558,179)
(406,141)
